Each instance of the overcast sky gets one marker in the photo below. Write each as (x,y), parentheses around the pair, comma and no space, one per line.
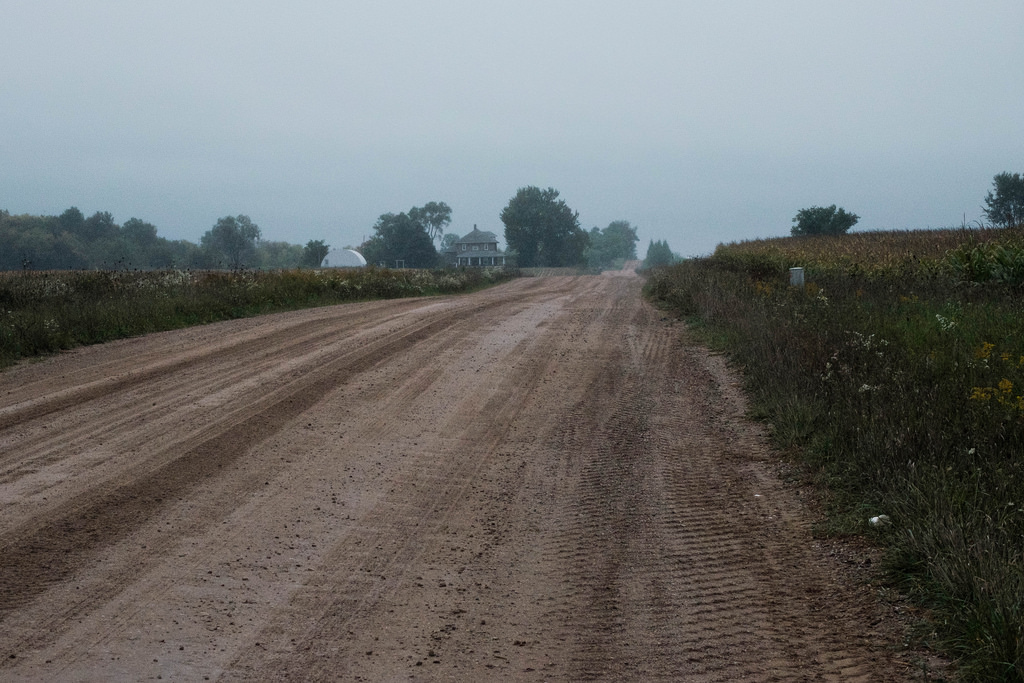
(700,122)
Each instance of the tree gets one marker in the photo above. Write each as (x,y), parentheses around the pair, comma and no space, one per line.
(397,237)
(185,254)
(658,254)
(448,240)
(543,230)
(232,241)
(100,225)
(27,242)
(138,231)
(1006,206)
(827,220)
(278,255)
(139,245)
(433,216)
(314,253)
(617,242)
(72,221)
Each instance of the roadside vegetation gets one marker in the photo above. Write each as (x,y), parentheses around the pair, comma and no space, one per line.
(43,312)
(895,375)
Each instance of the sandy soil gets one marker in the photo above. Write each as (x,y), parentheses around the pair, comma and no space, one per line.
(541,481)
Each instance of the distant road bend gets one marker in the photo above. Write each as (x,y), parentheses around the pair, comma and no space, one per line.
(540,481)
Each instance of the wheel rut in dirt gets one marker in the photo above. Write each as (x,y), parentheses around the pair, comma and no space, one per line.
(295,338)
(49,551)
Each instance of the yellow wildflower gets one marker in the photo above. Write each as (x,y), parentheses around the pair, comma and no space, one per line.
(981,394)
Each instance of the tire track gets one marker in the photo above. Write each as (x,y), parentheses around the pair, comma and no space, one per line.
(666,571)
(49,550)
(40,445)
(236,363)
(363,573)
(294,338)
(73,538)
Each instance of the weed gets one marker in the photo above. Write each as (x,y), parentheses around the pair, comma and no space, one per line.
(43,312)
(896,375)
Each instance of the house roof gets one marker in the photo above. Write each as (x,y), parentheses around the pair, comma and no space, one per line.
(477,237)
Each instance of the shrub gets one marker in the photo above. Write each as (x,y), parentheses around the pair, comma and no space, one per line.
(898,380)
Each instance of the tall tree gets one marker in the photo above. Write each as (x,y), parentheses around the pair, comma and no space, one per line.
(100,225)
(616,242)
(658,254)
(397,237)
(232,241)
(139,232)
(140,246)
(827,220)
(314,253)
(542,229)
(433,216)
(72,221)
(1006,206)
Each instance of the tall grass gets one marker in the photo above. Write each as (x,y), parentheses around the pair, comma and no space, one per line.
(42,312)
(897,376)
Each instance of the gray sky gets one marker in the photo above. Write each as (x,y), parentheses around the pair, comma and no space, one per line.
(698,121)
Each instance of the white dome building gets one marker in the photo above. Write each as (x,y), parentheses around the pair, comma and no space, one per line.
(343,258)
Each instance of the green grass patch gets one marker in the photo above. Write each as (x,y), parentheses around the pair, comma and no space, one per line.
(44,312)
(896,376)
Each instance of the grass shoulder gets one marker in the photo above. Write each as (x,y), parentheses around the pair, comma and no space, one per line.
(895,377)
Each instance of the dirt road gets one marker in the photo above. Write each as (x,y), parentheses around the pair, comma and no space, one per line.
(536,482)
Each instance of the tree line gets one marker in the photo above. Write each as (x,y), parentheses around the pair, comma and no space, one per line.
(71,241)
(1004,207)
(540,231)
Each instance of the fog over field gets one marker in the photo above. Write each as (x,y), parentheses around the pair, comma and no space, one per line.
(699,122)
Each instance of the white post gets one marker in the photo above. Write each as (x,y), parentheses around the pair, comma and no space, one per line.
(796,277)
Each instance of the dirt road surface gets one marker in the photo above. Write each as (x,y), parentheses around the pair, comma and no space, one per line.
(540,481)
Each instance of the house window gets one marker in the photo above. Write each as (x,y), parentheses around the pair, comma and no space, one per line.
(476,247)
(463,247)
